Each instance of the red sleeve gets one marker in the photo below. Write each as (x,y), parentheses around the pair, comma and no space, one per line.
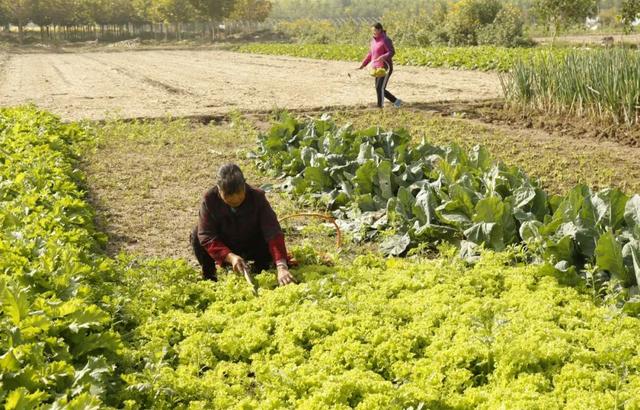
(278,249)
(271,230)
(218,251)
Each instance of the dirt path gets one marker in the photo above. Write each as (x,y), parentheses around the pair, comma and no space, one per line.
(590,39)
(98,85)
(4,58)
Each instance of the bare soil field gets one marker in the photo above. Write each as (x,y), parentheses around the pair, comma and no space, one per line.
(157,83)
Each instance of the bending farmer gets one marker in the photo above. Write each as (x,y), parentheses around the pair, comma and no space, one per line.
(381,52)
(237,224)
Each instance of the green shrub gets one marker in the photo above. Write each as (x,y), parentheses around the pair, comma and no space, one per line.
(469,22)
(308,31)
(468,17)
(417,29)
(506,30)
(485,22)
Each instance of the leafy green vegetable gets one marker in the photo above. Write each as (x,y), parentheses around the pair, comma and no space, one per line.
(433,194)
(609,258)
(632,214)
(395,245)
(631,256)
(377,333)
(15,304)
(484,58)
(81,331)
(52,323)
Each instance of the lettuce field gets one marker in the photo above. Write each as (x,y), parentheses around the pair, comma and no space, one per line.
(531,301)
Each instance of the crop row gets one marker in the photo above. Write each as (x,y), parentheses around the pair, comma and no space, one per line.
(483,58)
(56,341)
(381,183)
(602,85)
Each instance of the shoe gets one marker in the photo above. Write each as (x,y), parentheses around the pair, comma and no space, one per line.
(398,103)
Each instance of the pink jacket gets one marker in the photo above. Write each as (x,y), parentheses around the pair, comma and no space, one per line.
(381,46)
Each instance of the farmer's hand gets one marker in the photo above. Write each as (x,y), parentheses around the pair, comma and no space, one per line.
(284,276)
(237,263)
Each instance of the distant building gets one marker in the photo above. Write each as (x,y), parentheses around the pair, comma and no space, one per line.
(593,23)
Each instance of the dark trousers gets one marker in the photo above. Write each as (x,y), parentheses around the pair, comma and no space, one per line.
(381,88)
(259,254)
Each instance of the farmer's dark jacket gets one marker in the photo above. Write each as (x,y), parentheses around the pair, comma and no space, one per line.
(222,229)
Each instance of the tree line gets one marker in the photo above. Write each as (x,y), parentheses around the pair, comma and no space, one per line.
(93,15)
(553,13)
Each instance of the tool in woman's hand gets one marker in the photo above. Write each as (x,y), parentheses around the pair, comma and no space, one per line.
(249,278)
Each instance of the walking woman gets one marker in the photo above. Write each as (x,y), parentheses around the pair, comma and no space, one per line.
(381,53)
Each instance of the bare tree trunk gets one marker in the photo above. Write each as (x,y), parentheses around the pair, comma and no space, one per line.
(20,32)
(556,29)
